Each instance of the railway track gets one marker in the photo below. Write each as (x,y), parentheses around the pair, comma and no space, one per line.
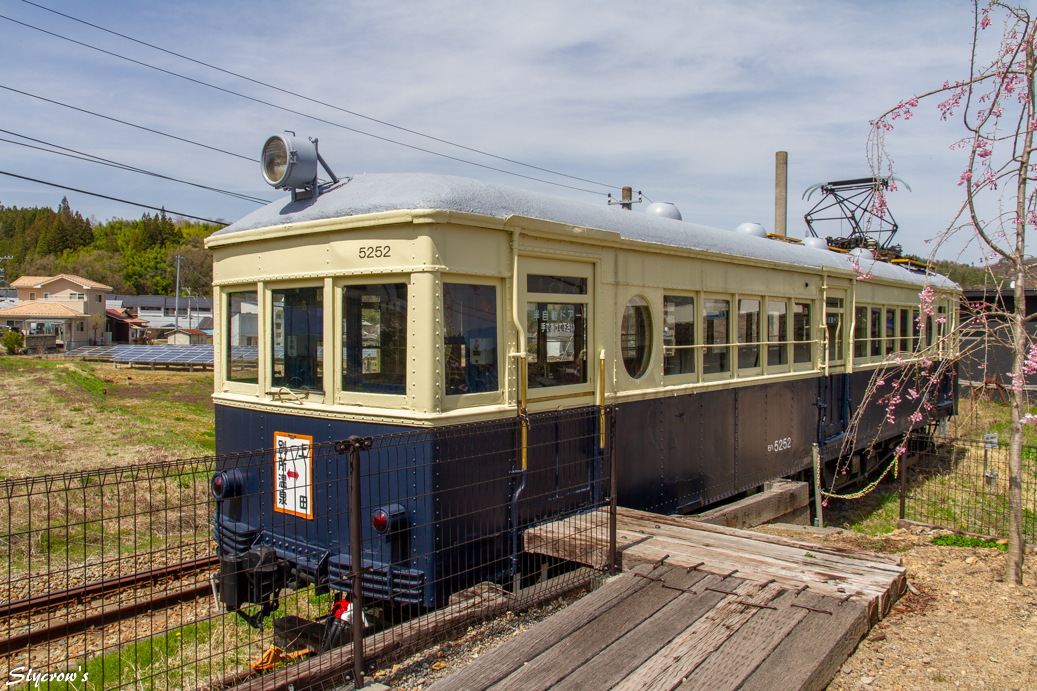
(105,617)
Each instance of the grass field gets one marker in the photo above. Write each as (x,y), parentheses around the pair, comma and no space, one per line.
(58,416)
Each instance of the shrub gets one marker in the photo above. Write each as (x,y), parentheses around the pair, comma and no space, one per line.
(13,342)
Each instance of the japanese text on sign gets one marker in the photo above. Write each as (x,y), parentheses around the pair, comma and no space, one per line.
(293,472)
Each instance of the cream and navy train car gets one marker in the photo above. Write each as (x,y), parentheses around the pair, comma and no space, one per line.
(395,302)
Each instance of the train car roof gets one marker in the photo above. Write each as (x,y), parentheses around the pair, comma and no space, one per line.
(374,193)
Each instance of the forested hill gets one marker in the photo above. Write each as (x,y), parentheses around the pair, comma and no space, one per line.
(135,257)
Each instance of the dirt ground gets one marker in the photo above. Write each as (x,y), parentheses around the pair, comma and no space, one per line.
(960,627)
(59,416)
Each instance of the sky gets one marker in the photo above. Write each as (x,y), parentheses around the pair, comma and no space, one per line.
(685,101)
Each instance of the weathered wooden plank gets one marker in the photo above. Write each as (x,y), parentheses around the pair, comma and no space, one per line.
(778,499)
(572,651)
(789,575)
(583,540)
(735,660)
(857,571)
(503,660)
(686,522)
(812,653)
(720,536)
(617,661)
(679,658)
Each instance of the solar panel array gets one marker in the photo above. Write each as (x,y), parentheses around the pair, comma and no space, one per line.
(161,354)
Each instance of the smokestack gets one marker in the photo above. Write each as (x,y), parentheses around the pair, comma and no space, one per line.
(781,191)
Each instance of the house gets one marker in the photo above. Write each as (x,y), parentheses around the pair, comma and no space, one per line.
(188,337)
(69,308)
(163,313)
(124,327)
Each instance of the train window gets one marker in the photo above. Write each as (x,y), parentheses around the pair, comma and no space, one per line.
(777,333)
(242,328)
(916,329)
(635,336)
(557,285)
(903,330)
(834,324)
(929,331)
(297,336)
(678,334)
(876,332)
(374,338)
(556,346)
(470,338)
(860,332)
(802,350)
(749,332)
(891,324)
(715,357)
(941,326)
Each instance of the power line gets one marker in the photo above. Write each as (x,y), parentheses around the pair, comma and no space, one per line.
(295,112)
(114,199)
(130,124)
(318,102)
(90,158)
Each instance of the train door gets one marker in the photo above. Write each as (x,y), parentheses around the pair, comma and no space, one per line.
(556,303)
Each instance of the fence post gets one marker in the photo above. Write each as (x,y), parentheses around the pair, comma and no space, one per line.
(356,557)
(902,469)
(613,491)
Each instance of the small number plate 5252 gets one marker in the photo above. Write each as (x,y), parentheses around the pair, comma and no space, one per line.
(374,251)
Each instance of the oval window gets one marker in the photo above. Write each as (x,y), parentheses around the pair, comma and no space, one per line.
(635,337)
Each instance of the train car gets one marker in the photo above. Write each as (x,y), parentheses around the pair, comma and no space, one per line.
(392,302)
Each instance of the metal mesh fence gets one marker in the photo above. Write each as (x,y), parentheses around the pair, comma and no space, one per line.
(963,485)
(124,576)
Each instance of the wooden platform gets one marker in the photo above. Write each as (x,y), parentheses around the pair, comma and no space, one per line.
(725,609)
(644,538)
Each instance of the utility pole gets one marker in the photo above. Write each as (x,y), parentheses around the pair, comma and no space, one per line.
(176,300)
(628,195)
(781,192)
(189,309)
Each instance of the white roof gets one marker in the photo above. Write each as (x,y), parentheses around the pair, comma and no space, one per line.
(365,194)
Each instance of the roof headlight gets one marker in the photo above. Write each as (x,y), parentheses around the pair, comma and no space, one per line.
(289,162)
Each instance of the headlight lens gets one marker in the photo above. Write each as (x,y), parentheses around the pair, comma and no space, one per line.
(275,160)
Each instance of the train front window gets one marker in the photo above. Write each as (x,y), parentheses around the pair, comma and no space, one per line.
(716,358)
(374,338)
(297,335)
(556,348)
(470,338)
(242,329)
(678,334)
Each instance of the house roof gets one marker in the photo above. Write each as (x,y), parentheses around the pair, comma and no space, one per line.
(189,332)
(123,316)
(40,281)
(40,309)
(378,192)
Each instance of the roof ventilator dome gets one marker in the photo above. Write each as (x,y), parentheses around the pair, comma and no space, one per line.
(754,229)
(815,242)
(664,209)
(290,163)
